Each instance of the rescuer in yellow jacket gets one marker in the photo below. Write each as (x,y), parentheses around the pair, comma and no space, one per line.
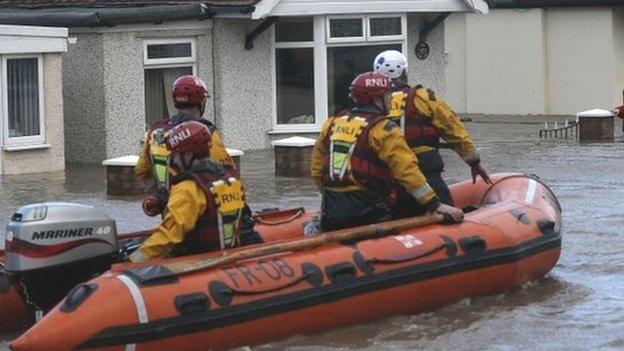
(205,204)
(189,95)
(424,119)
(361,158)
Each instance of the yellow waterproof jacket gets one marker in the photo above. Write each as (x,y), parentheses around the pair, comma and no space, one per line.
(186,204)
(442,118)
(218,153)
(386,140)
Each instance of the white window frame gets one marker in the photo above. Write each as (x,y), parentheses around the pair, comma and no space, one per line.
(30,140)
(331,39)
(301,127)
(169,60)
(320,44)
(172,62)
(403,34)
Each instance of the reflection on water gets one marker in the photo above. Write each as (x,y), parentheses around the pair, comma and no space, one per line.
(579,306)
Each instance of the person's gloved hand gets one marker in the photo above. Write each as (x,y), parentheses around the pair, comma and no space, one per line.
(312,228)
(478,170)
(456,214)
(153,205)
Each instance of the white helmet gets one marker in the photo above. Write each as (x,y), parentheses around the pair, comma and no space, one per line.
(391,63)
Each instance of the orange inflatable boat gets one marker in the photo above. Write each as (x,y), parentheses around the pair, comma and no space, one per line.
(296,285)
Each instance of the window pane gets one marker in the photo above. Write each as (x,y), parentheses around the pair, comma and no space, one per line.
(346,27)
(295,86)
(158,83)
(158,51)
(385,26)
(294,29)
(23,97)
(343,65)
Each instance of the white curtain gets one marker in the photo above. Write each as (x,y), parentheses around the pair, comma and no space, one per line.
(169,76)
(158,84)
(23,97)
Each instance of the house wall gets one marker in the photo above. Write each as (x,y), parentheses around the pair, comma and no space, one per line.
(580,61)
(124,108)
(243,97)
(618,56)
(430,71)
(83,97)
(52,158)
(105,81)
(455,61)
(498,60)
(534,61)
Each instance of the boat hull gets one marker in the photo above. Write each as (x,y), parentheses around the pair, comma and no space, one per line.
(514,237)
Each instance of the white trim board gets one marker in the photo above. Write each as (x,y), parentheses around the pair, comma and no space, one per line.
(31,45)
(33,31)
(318,7)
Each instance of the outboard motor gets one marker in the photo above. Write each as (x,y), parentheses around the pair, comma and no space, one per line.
(50,247)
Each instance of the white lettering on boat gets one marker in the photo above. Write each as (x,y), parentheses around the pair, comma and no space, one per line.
(408,241)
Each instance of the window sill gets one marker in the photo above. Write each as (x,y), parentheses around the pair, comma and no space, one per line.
(314,130)
(12,148)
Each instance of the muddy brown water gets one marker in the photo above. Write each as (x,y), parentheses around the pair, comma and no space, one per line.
(579,305)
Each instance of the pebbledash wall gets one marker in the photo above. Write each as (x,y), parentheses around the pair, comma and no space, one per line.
(535,61)
(51,158)
(104,93)
(243,84)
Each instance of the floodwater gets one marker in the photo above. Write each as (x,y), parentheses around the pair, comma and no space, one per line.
(578,306)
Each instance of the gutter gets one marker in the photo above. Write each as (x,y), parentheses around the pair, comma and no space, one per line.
(108,17)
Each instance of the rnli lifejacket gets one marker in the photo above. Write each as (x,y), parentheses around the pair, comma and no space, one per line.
(220,225)
(418,130)
(349,159)
(159,154)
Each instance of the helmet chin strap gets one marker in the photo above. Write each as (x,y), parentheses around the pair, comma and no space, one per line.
(183,160)
(381,104)
(202,108)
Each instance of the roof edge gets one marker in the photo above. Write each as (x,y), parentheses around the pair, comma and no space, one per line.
(502,4)
(108,17)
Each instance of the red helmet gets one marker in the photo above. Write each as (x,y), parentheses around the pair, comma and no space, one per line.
(368,85)
(193,137)
(189,91)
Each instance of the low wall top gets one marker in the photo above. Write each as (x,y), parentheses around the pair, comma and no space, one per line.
(130,160)
(597,112)
(234,152)
(295,141)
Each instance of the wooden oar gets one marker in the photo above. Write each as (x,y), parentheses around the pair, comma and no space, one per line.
(357,233)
